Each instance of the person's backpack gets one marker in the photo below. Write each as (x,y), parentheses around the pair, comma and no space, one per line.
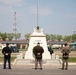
(65,55)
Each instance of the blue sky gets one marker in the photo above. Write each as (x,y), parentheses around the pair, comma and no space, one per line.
(55,16)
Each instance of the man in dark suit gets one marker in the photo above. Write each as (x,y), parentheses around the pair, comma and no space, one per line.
(38,51)
(7,56)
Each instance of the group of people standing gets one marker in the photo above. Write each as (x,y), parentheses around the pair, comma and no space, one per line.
(38,53)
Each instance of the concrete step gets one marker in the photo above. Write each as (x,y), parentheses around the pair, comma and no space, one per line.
(32,62)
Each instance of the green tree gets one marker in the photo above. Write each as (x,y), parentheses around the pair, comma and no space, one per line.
(53,37)
(10,36)
(27,36)
(18,35)
(59,37)
(4,36)
(73,37)
(67,38)
(47,37)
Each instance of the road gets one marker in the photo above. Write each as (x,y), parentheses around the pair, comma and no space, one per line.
(29,70)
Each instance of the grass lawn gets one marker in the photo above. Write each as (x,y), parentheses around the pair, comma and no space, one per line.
(71,59)
(2,59)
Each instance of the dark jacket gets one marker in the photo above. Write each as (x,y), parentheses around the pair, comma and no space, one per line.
(6,50)
(38,50)
(50,50)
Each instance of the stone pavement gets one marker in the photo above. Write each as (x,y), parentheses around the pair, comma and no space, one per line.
(29,70)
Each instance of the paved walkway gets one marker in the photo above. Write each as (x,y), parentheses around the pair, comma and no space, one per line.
(52,67)
(29,70)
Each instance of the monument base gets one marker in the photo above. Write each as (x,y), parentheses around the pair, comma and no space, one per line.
(32,62)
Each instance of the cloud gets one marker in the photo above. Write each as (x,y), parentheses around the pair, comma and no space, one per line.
(12,2)
(8,12)
(42,10)
(7,7)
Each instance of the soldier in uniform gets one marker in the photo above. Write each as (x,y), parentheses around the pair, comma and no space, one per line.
(65,56)
(38,51)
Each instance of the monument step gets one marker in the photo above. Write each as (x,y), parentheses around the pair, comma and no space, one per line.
(31,62)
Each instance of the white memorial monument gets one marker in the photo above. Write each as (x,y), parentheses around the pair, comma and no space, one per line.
(37,36)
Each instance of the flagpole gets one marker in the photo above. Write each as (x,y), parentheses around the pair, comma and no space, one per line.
(37,12)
